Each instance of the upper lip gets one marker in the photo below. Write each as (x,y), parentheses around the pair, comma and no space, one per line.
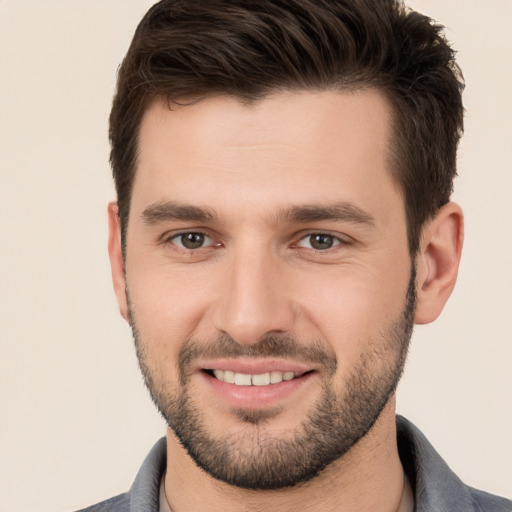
(254,366)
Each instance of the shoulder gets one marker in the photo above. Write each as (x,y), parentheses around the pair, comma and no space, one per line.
(486,502)
(120,503)
(145,491)
(436,486)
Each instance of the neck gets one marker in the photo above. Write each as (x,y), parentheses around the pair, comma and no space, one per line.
(368,478)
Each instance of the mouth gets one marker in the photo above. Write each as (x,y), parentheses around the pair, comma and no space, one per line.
(260,379)
(256,383)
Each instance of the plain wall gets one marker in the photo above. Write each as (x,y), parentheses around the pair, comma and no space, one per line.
(75,419)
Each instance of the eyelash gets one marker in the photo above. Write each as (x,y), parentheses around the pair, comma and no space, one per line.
(172,240)
(336,241)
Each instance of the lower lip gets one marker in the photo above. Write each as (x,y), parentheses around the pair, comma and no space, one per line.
(256,397)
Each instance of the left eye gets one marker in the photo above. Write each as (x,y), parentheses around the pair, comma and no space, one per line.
(191,240)
(319,241)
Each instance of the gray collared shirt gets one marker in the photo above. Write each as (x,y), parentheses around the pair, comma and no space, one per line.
(436,488)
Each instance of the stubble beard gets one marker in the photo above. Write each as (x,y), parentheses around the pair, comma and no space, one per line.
(250,456)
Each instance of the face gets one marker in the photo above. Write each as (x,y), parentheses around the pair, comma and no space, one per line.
(268,279)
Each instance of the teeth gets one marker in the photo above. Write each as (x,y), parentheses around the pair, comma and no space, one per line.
(261,380)
(229,377)
(276,377)
(244,379)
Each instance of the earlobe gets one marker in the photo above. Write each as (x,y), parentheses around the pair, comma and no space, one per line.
(438,260)
(116,258)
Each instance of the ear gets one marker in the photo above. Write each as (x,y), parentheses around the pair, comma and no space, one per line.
(116,258)
(438,260)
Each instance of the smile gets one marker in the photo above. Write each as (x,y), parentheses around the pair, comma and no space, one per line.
(249,384)
(262,379)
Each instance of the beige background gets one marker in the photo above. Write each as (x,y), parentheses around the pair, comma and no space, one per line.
(75,420)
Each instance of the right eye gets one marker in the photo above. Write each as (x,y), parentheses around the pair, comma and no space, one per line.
(191,240)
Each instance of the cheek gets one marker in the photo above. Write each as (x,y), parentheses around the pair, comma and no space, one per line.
(354,307)
(167,296)
(166,308)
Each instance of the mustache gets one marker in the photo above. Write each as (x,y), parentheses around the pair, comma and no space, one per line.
(270,346)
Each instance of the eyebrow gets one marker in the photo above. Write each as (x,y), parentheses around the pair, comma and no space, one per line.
(346,212)
(169,210)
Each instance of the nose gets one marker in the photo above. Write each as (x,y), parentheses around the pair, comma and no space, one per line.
(254,299)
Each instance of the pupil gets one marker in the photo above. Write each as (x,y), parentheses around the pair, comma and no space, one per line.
(321,241)
(192,240)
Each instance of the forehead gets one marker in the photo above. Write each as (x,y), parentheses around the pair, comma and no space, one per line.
(300,147)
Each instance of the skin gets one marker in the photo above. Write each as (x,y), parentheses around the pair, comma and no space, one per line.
(258,275)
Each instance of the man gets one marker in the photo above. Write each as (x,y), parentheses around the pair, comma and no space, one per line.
(283,172)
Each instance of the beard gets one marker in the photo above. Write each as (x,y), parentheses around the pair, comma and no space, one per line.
(251,456)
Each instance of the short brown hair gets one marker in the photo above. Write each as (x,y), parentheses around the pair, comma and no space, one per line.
(250,48)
